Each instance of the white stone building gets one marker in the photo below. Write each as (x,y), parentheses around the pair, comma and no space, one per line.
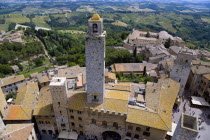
(142,38)
(58,89)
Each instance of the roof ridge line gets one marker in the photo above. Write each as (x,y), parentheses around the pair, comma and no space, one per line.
(163,121)
(159,108)
(24,110)
(18,129)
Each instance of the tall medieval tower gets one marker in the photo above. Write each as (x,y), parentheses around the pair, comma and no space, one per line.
(58,89)
(95,60)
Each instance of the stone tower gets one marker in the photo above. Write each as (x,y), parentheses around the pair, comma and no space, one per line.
(95,60)
(58,89)
(181,68)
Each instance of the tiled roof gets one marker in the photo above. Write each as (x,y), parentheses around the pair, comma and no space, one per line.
(121,95)
(18,112)
(115,101)
(136,35)
(118,87)
(69,72)
(160,97)
(200,69)
(146,118)
(11,80)
(3,102)
(207,76)
(17,131)
(34,75)
(132,67)
(28,94)
(110,75)
(44,104)
(201,63)
(77,100)
(72,72)
(42,78)
(175,49)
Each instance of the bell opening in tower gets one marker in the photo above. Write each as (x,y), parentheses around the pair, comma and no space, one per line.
(95,28)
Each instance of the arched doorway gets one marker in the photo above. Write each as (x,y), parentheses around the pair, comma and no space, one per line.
(111,135)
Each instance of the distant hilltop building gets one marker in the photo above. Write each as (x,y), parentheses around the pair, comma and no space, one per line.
(142,38)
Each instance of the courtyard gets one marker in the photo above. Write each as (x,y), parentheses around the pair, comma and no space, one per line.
(201,113)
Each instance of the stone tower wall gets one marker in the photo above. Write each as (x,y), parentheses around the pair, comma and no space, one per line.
(95,64)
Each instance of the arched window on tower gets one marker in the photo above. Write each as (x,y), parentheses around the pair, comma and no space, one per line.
(95,28)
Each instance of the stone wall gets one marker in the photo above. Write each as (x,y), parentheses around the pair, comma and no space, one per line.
(47,123)
(95,67)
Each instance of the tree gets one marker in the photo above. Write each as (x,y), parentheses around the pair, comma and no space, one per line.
(168,43)
(11,26)
(135,52)
(145,71)
(5,69)
(148,34)
(70,64)
(20,66)
(38,61)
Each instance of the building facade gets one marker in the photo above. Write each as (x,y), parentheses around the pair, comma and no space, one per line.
(58,89)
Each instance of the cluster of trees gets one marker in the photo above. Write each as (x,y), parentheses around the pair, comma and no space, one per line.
(121,56)
(67,49)
(116,39)
(10,52)
(13,53)
(134,78)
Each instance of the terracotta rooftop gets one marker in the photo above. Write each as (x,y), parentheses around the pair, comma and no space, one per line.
(207,76)
(119,86)
(11,80)
(110,75)
(3,102)
(132,67)
(115,101)
(18,112)
(201,63)
(28,94)
(17,131)
(146,118)
(72,72)
(200,69)
(43,78)
(159,97)
(44,104)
